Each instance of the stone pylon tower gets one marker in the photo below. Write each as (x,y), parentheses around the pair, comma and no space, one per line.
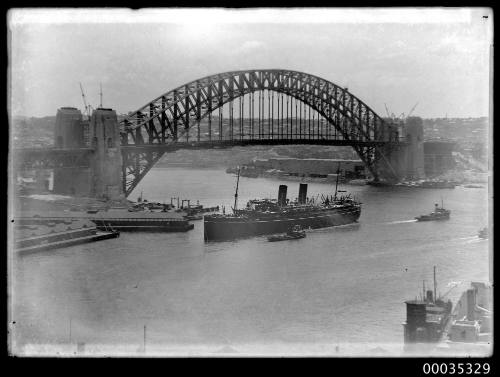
(68,130)
(69,134)
(414,134)
(103,176)
(405,161)
(106,163)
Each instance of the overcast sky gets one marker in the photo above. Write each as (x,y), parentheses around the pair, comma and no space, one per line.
(438,58)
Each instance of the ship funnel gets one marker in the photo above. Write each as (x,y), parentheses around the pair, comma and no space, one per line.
(302,193)
(282,195)
(430,297)
(471,304)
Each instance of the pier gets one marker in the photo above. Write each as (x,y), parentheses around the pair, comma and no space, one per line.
(53,233)
(114,220)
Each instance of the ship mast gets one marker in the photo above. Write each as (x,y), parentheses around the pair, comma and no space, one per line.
(337,182)
(236,193)
(435,297)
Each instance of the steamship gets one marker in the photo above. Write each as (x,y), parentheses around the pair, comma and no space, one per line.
(270,216)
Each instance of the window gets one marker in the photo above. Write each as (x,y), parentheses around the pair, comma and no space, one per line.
(110,142)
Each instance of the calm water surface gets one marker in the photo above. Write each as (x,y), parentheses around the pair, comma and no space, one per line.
(338,286)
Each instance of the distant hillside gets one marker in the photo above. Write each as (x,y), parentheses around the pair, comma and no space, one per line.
(30,132)
(224,158)
(471,135)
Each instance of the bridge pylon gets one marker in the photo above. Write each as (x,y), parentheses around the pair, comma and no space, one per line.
(106,161)
(102,175)
(406,159)
(69,131)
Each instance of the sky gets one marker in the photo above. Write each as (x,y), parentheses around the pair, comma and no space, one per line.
(437,58)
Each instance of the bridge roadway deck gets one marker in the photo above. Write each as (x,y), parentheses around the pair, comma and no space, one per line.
(223,144)
(208,144)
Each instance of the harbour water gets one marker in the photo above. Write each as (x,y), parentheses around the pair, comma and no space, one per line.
(338,291)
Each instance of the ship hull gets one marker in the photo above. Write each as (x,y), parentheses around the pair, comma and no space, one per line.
(227,228)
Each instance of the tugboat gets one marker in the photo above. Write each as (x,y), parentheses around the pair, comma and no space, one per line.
(438,214)
(293,234)
(271,216)
(483,233)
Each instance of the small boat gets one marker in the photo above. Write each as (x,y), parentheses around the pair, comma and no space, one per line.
(483,233)
(438,214)
(294,234)
(193,217)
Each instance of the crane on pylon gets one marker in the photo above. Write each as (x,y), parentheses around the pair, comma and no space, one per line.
(403,117)
(411,111)
(88,107)
(387,111)
(100,94)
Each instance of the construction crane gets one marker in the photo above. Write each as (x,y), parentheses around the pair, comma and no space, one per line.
(88,108)
(387,111)
(100,94)
(390,115)
(411,111)
(403,117)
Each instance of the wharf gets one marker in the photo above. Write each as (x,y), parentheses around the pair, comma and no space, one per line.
(52,235)
(469,328)
(113,219)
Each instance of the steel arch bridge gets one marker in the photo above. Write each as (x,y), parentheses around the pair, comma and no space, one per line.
(186,117)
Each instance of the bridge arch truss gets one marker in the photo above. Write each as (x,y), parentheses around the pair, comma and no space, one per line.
(183,117)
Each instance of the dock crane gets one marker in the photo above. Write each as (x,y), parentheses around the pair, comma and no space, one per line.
(453,286)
